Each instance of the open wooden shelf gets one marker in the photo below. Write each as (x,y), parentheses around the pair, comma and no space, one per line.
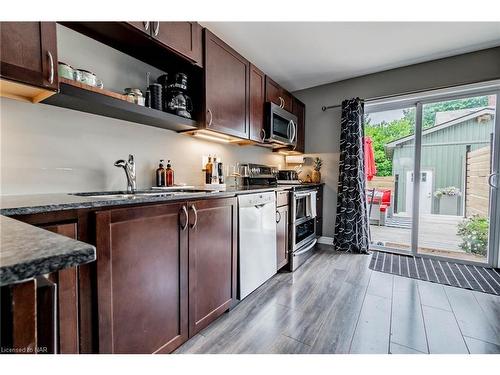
(75,96)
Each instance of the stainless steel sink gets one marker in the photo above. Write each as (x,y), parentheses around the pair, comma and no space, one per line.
(141,193)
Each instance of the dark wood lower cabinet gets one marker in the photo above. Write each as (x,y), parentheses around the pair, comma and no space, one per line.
(24,314)
(163,273)
(212,260)
(282,236)
(68,341)
(142,288)
(319,210)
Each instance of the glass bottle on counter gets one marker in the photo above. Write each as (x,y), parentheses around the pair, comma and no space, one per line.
(169,174)
(215,170)
(208,171)
(220,173)
(160,175)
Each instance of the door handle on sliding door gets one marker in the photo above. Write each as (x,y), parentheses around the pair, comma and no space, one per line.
(490,180)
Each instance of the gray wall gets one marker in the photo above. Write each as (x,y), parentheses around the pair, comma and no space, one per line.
(46,149)
(323,128)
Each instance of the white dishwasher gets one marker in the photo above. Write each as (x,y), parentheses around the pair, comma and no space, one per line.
(257,240)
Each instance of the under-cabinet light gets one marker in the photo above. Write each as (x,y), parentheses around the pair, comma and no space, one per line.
(210,137)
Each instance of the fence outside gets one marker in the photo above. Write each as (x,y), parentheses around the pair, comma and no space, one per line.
(477,193)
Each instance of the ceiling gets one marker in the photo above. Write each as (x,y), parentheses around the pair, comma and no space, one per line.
(299,55)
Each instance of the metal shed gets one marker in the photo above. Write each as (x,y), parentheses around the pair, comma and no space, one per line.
(443,160)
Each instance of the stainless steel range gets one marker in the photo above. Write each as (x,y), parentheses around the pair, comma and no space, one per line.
(302,229)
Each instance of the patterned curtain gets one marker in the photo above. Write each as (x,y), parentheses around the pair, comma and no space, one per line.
(351,225)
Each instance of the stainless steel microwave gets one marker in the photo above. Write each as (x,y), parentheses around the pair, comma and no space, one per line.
(281,125)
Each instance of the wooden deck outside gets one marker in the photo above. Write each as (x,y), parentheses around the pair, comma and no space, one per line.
(438,236)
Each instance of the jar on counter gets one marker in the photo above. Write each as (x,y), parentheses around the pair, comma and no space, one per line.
(84,76)
(134,96)
(65,70)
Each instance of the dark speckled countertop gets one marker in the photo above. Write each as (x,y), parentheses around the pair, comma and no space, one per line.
(11,205)
(27,251)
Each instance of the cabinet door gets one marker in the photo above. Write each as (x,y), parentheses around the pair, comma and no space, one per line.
(226,88)
(276,94)
(144,26)
(142,279)
(319,201)
(299,110)
(28,53)
(67,301)
(273,91)
(181,37)
(287,100)
(212,260)
(257,100)
(282,236)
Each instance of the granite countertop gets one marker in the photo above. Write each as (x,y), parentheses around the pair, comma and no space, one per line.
(11,205)
(27,251)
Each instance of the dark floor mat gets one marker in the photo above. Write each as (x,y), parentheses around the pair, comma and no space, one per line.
(477,278)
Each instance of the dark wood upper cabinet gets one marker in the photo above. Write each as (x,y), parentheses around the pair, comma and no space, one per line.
(212,260)
(142,278)
(184,38)
(181,37)
(282,236)
(287,100)
(257,104)
(28,53)
(169,46)
(299,110)
(226,88)
(277,95)
(144,26)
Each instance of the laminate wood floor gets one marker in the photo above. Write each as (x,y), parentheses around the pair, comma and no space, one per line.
(335,304)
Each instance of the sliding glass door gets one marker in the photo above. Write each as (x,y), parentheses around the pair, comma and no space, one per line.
(454,155)
(389,209)
(440,174)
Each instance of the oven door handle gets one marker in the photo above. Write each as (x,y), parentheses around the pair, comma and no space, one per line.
(300,195)
(309,247)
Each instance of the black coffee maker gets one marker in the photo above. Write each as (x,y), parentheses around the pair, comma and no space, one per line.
(177,101)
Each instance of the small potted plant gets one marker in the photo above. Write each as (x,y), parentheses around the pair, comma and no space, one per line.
(316,174)
(448,200)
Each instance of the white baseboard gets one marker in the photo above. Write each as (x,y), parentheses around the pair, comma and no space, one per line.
(325,240)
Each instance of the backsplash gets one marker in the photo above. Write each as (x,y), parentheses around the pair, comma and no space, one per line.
(47,149)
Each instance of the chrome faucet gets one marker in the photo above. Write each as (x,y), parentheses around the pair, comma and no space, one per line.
(129,168)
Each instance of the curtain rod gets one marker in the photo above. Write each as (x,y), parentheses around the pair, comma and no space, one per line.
(494,82)
(325,108)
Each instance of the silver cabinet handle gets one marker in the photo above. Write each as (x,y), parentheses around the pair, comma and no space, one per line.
(195,216)
(185,212)
(282,102)
(146,25)
(490,180)
(278,219)
(156,29)
(211,116)
(263,132)
(51,72)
